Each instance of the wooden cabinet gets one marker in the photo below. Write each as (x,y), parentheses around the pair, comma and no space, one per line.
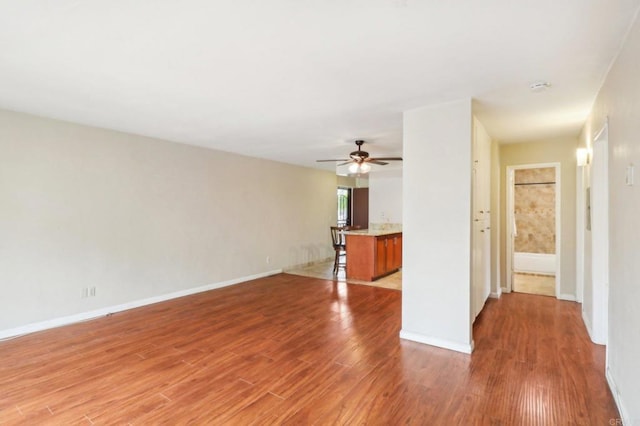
(388,254)
(380,256)
(397,251)
(370,257)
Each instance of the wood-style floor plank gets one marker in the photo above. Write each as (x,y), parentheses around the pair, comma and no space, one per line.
(293,350)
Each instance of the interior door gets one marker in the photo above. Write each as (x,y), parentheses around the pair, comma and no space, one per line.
(360,207)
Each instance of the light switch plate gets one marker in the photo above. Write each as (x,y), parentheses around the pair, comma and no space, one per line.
(629,175)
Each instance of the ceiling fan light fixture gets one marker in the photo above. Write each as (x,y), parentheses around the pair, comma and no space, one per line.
(359,168)
(359,160)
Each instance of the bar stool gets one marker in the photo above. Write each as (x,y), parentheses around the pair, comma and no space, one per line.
(340,247)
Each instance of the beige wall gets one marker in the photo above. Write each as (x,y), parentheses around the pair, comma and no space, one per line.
(347,181)
(137,217)
(619,100)
(562,151)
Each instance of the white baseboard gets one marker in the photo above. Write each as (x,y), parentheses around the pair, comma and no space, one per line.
(587,325)
(624,414)
(592,335)
(568,297)
(496,294)
(84,316)
(434,341)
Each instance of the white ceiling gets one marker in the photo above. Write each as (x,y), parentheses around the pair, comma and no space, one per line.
(298,80)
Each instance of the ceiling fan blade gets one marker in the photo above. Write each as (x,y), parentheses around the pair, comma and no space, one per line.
(360,157)
(388,158)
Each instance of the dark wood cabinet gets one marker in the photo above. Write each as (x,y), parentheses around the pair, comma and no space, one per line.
(380,256)
(370,257)
(392,253)
(397,252)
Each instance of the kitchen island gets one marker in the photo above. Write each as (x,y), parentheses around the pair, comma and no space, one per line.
(372,254)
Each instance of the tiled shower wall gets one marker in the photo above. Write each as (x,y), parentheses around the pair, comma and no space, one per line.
(535,203)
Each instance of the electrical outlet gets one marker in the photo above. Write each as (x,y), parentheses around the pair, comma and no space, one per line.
(85,292)
(92,291)
(268,259)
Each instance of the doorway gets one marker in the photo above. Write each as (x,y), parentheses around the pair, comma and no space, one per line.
(344,206)
(534,224)
(353,207)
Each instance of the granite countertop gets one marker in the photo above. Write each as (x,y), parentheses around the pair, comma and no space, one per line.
(373,232)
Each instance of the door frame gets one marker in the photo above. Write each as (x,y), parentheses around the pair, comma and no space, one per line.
(510,218)
(581,211)
(600,236)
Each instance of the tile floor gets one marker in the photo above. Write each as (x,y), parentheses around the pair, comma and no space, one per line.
(522,283)
(544,285)
(324,270)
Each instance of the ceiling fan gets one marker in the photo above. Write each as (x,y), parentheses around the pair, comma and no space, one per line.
(359,160)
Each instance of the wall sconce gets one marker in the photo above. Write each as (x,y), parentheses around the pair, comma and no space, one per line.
(582,155)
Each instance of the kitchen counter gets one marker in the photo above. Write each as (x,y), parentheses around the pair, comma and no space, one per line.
(372,232)
(372,254)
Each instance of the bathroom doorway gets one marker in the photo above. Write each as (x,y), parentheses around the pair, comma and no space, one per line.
(533,212)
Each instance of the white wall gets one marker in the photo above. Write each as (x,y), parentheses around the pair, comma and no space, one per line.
(385,197)
(437,225)
(137,217)
(619,100)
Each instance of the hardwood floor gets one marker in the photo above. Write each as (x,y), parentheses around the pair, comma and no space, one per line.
(295,350)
